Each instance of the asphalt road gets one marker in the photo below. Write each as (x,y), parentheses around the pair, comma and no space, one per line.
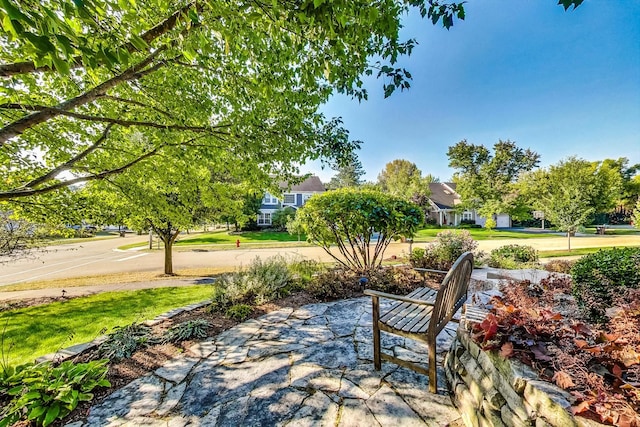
(103,257)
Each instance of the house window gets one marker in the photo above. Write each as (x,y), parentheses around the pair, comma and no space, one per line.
(269,200)
(467,216)
(289,199)
(306,197)
(264,218)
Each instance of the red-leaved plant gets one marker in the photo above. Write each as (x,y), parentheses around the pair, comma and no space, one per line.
(599,366)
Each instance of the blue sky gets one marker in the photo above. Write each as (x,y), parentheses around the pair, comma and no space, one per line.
(560,83)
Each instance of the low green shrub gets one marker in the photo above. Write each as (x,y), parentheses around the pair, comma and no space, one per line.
(239,311)
(339,284)
(599,277)
(559,266)
(444,250)
(187,330)
(125,340)
(262,281)
(335,284)
(42,393)
(513,256)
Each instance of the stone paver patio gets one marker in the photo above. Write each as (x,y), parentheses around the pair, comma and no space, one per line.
(304,367)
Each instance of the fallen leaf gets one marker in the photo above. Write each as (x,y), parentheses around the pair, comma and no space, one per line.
(540,352)
(581,328)
(580,343)
(506,350)
(580,408)
(629,356)
(617,371)
(563,379)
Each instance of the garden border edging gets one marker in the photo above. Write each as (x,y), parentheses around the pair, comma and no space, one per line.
(490,390)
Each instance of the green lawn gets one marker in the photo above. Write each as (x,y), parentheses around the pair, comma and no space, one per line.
(615,231)
(222,237)
(428,234)
(574,252)
(36,331)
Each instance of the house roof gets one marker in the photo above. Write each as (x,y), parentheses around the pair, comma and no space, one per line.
(443,195)
(311,184)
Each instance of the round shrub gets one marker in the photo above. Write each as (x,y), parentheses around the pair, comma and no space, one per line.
(599,277)
(513,256)
(444,251)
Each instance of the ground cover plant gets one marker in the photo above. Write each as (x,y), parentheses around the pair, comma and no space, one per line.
(599,364)
(35,331)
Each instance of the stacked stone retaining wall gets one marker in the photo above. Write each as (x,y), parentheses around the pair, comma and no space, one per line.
(490,390)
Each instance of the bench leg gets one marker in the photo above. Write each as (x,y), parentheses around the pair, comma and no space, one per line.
(433,377)
(377,363)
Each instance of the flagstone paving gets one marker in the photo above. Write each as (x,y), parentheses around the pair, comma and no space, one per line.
(306,367)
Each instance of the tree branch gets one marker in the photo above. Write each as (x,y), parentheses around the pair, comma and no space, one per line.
(25,192)
(136,71)
(8,70)
(67,165)
(112,121)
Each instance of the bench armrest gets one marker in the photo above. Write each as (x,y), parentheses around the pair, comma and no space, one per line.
(428,270)
(377,294)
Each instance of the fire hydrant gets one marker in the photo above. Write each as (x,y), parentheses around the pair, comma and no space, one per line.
(238,243)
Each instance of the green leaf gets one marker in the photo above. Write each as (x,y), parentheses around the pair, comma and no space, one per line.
(36,412)
(138,42)
(61,65)
(52,414)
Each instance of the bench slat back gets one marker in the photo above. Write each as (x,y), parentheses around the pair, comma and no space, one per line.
(452,293)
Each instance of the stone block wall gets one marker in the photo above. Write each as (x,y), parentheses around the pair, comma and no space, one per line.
(490,390)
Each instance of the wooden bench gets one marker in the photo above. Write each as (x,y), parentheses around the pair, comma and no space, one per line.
(422,314)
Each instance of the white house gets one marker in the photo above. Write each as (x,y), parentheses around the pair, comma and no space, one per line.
(443,201)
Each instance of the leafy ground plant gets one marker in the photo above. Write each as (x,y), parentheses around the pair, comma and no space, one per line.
(187,330)
(239,311)
(124,341)
(42,393)
(598,364)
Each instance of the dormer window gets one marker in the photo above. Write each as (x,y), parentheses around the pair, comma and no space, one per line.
(289,199)
(269,200)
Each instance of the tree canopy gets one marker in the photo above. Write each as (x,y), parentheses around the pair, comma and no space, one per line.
(92,88)
(570,191)
(402,178)
(349,173)
(486,181)
(347,219)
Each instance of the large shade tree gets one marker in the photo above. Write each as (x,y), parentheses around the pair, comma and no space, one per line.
(570,191)
(404,179)
(82,80)
(486,181)
(173,199)
(80,77)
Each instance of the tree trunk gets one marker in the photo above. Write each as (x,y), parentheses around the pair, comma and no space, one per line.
(168,240)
